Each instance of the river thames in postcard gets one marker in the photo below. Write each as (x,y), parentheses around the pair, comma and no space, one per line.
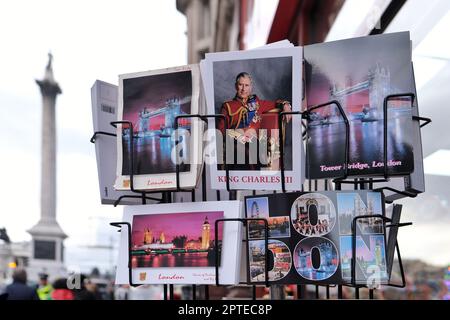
(197,259)
(326,148)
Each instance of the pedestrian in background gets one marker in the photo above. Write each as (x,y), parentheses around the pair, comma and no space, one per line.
(19,290)
(61,291)
(45,288)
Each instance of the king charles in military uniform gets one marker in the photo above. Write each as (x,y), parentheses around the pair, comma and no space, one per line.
(245,115)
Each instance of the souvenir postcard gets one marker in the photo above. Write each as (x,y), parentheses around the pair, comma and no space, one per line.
(359,73)
(104,110)
(310,238)
(176,243)
(151,101)
(238,87)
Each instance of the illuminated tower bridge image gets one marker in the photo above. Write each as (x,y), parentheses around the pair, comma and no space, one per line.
(362,100)
(160,122)
(154,139)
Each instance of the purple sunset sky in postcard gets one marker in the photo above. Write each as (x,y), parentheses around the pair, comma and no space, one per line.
(175,224)
(153,91)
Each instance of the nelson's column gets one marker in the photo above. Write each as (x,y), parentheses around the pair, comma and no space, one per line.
(47,236)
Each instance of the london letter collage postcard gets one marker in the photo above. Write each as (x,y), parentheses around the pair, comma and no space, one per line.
(310,237)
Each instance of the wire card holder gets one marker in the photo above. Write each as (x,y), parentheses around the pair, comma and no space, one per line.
(362,183)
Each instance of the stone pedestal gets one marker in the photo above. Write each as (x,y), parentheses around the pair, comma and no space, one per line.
(47,250)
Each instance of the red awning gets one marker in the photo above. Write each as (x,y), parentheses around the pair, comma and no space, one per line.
(283,20)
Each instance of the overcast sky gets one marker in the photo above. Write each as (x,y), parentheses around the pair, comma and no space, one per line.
(89,40)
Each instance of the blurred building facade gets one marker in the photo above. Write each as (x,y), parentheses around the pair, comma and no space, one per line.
(229,25)
(212,26)
(13,255)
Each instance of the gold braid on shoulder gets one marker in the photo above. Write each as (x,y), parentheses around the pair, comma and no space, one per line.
(241,111)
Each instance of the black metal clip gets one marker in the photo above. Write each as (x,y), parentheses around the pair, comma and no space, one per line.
(130,274)
(385,142)
(96,133)
(385,127)
(426,120)
(404,193)
(347,135)
(143,193)
(281,116)
(244,221)
(204,118)
(353,261)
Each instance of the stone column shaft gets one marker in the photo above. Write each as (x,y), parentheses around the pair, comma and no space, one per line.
(48,158)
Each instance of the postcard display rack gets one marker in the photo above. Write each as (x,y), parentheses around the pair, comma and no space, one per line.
(326,183)
(309,185)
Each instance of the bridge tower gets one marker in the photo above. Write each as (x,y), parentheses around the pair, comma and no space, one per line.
(173,109)
(379,87)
